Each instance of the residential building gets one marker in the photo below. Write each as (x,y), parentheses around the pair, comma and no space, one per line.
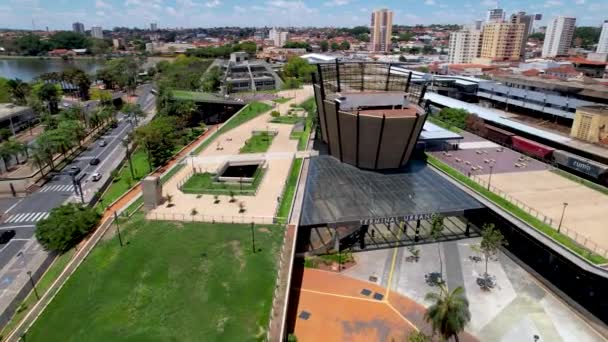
(279,38)
(602,44)
(78,27)
(153,26)
(381,30)
(558,36)
(97,32)
(502,41)
(117,43)
(591,124)
(464,46)
(528,21)
(495,15)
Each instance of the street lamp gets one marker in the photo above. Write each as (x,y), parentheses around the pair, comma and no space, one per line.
(559,227)
(490,179)
(29,273)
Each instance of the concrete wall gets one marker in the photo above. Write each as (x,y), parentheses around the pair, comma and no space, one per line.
(395,138)
(369,135)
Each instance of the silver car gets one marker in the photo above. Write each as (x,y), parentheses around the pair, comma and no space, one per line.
(96,176)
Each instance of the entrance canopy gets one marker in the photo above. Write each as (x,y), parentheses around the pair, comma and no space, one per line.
(341,194)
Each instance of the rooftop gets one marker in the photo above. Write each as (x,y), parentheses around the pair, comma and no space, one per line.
(599,109)
(9,110)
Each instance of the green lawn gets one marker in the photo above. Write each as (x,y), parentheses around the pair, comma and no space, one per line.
(258,143)
(124,181)
(171,282)
(311,107)
(286,119)
(251,111)
(282,99)
(186,95)
(515,210)
(289,191)
(203,183)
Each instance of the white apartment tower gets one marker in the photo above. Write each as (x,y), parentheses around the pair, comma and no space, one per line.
(97,32)
(495,15)
(279,38)
(381,30)
(465,45)
(558,36)
(602,45)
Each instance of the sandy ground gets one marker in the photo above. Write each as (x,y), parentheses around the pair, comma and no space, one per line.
(260,208)
(547,192)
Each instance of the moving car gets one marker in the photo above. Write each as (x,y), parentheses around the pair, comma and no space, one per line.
(6,236)
(73,170)
(96,176)
(102,143)
(94,161)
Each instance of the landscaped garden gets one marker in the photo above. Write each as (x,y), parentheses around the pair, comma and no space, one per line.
(289,191)
(282,99)
(170,282)
(258,143)
(206,183)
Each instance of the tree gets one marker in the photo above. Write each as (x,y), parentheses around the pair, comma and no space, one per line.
(537,35)
(69,40)
(418,336)
(449,313)
(435,234)
(405,36)
(158,139)
(211,80)
(324,45)
(5,94)
(133,110)
(298,68)
(491,241)
(587,35)
(80,79)
(19,91)
(48,93)
(345,45)
(454,117)
(6,153)
(66,226)
(335,46)
(31,45)
(125,143)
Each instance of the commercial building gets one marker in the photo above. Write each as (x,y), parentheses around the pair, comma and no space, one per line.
(528,21)
(15,118)
(279,38)
(591,124)
(602,44)
(369,117)
(558,36)
(153,26)
(495,15)
(97,32)
(502,41)
(381,30)
(464,46)
(78,27)
(242,74)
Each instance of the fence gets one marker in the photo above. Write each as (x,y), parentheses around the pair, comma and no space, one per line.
(188,217)
(579,238)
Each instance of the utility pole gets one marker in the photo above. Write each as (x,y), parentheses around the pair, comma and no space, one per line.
(29,273)
(559,227)
(490,179)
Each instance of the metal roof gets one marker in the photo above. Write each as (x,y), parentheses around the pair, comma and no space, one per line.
(430,131)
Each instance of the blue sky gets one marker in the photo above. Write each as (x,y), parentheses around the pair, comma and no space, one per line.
(59,14)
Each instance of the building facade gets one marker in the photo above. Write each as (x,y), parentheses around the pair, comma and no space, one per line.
(97,32)
(591,124)
(464,46)
(558,36)
(381,30)
(495,15)
(78,27)
(602,44)
(502,41)
(528,21)
(279,38)
(153,26)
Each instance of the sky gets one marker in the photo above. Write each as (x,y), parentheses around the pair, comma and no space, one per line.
(60,14)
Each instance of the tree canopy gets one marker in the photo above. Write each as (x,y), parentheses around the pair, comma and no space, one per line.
(586,36)
(66,226)
(449,312)
(5,95)
(454,117)
(298,68)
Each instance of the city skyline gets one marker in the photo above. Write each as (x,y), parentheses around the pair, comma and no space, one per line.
(61,14)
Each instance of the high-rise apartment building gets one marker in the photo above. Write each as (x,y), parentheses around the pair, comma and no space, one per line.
(501,41)
(495,15)
(528,21)
(279,38)
(78,27)
(381,30)
(558,36)
(464,46)
(602,45)
(97,32)
(153,26)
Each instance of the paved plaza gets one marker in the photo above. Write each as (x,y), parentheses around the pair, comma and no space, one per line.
(515,310)
(262,206)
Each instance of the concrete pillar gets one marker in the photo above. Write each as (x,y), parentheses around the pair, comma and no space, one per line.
(362,233)
(152,190)
(337,241)
(417,236)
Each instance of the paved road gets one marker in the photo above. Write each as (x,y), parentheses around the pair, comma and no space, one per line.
(22,214)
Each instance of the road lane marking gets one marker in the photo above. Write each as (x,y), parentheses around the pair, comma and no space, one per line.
(26,217)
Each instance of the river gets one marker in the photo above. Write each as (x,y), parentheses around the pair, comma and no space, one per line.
(27,69)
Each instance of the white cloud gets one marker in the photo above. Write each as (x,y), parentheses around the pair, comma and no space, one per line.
(171,11)
(489,3)
(579,2)
(100,4)
(239,9)
(334,3)
(429,2)
(552,3)
(213,3)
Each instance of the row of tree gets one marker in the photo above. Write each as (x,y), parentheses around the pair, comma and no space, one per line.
(32,44)
(222,51)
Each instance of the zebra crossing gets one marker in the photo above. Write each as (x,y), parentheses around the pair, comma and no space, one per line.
(58,188)
(27,217)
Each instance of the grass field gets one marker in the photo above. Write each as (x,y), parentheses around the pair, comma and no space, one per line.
(282,99)
(172,282)
(311,108)
(251,111)
(286,119)
(258,143)
(289,191)
(520,213)
(203,183)
(124,180)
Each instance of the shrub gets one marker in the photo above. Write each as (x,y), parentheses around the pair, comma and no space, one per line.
(66,226)
(275,114)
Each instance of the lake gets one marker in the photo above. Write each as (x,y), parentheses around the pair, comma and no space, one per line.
(27,69)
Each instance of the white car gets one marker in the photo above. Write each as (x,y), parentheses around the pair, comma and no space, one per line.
(96,176)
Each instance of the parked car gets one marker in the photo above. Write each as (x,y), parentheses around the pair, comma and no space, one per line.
(6,236)
(102,143)
(94,161)
(96,176)
(74,170)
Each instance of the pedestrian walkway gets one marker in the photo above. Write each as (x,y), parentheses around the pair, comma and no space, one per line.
(27,217)
(58,188)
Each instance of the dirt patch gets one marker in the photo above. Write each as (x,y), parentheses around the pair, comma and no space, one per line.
(238,253)
(263,230)
(221,323)
(178,225)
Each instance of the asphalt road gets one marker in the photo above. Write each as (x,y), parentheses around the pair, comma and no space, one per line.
(21,215)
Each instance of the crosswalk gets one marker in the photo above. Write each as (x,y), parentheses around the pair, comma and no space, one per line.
(58,188)
(27,217)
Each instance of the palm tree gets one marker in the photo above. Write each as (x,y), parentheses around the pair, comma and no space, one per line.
(39,159)
(19,91)
(125,143)
(435,234)
(6,153)
(133,110)
(449,313)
